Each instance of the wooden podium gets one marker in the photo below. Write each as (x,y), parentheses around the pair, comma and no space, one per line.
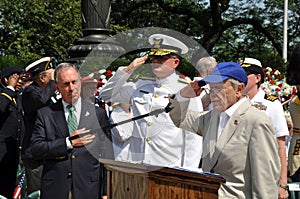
(138,181)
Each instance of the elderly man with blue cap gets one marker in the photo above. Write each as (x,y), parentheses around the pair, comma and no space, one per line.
(155,140)
(239,141)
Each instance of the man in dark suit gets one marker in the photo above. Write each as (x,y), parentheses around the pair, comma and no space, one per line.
(71,165)
(35,96)
(11,125)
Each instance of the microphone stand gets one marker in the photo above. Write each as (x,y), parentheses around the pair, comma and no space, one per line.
(110,126)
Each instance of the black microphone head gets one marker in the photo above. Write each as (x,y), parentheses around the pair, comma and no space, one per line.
(201,83)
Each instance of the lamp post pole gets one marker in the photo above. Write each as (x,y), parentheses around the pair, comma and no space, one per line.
(285,35)
(95,29)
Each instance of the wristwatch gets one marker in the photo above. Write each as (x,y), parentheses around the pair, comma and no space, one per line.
(286,187)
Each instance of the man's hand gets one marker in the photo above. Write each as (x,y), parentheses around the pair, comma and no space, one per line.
(135,64)
(282,193)
(82,140)
(192,90)
(12,80)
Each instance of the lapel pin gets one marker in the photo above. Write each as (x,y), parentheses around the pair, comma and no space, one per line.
(87,114)
(236,122)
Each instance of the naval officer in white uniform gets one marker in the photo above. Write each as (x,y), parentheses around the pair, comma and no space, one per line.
(155,139)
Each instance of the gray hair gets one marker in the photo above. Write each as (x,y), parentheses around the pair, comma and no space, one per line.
(205,65)
(63,66)
(235,83)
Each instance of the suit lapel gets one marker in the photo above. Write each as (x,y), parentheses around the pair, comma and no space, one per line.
(230,129)
(60,119)
(88,117)
(210,141)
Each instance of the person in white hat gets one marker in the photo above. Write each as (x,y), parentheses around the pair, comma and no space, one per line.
(273,108)
(35,96)
(155,140)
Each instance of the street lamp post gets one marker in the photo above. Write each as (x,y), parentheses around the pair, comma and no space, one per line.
(95,29)
(285,24)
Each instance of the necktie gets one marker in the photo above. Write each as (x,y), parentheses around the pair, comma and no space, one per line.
(72,121)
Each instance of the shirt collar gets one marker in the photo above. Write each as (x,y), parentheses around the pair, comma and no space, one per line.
(77,104)
(170,79)
(235,106)
(258,97)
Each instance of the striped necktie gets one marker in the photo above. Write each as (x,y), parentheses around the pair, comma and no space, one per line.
(72,121)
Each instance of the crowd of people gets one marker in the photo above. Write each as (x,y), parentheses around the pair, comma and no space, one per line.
(221,122)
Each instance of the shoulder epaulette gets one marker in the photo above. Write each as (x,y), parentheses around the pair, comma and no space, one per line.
(9,97)
(185,80)
(147,78)
(271,98)
(134,78)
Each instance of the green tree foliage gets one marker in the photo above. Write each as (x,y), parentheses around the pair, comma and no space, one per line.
(227,29)
(31,29)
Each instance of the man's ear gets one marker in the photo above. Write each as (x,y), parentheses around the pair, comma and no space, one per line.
(240,89)
(41,78)
(56,86)
(176,62)
(258,78)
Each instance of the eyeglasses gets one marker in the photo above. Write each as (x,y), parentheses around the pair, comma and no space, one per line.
(216,90)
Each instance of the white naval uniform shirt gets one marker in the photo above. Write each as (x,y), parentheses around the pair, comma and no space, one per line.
(155,139)
(121,134)
(274,111)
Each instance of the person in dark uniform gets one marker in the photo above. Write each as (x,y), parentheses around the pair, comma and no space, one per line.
(293,78)
(11,125)
(37,95)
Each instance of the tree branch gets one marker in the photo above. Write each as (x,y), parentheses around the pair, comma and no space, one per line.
(257,26)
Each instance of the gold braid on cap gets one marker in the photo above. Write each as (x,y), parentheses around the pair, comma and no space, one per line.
(245,65)
(160,51)
(48,65)
(156,50)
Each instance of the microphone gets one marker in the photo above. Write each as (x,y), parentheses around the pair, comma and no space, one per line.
(201,83)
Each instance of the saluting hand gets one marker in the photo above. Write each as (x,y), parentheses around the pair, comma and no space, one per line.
(12,80)
(192,90)
(135,64)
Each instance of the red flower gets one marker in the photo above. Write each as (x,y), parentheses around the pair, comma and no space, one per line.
(294,90)
(108,73)
(280,85)
(272,82)
(100,84)
(277,89)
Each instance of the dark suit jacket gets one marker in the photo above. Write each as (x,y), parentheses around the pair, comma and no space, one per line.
(33,98)
(11,126)
(63,168)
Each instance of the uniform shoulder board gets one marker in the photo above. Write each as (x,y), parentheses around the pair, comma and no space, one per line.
(184,79)
(147,78)
(271,98)
(135,78)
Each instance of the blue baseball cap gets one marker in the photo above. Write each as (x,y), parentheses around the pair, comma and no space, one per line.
(223,71)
